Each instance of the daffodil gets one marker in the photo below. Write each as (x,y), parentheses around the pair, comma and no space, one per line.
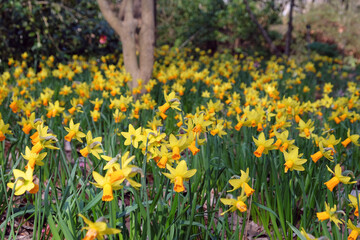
(4,129)
(283,143)
(124,170)
(355,231)
(33,158)
(306,128)
(54,109)
(236,204)
(118,116)
(23,182)
(132,136)
(338,177)
(170,102)
(43,138)
(326,152)
(97,229)
(108,184)
(163,157)
(351,138)
(293,160)
(242,182)
(73,132)
(307,235)
(330,213)
(97,103)
(177,145)
(263,145)
(354,203)
(218,130)
(93,146)
(179,174)
(331,142)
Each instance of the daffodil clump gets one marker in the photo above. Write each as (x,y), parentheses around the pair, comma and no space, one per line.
(210,143)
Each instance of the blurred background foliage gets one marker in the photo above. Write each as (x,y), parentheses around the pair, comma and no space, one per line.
(67,27)
(53,27)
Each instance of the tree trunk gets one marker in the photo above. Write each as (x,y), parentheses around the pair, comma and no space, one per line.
(273,48)
(125,24)
(290,28)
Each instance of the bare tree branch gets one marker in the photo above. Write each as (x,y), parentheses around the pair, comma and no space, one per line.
(273,48)
(109,15)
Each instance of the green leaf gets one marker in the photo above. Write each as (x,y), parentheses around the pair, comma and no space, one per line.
(298,233)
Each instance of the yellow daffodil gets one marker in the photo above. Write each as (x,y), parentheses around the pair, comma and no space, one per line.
(42,139)
(306,128)
(108,184)
(283,143)
(354,203)
(23,182)
(132,136)
(351,138)
(235,204)
(338,177)
(177,146)
(242,182)
(93,146)
(326,152)
(179,174)
(263,145)
(97,229)
(73,132)
(307,235)
(33,158)
(330,213)
(293,160)
(123,170)
(4,129)
(54,109)
(97,103)
(218,130)
(355,231)
(170,102)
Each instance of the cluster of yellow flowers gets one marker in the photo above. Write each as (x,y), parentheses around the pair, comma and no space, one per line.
(269,100)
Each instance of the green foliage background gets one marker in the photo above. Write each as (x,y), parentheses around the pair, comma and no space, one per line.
(66,27)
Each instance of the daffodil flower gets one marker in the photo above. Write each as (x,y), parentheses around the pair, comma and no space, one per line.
(351,138)
(23,182)
(263,145)
(306,128)
(333,182)
(33,158)
(236,204)
(178,175)
(177,145)
(42,139)
(97,103)
(93,146)
(124,170)
(4,129)
(355,231)
(330,213)
(293,160)
(132,136)
(306,235)
(326,152)
(97,229)
(107,184)
(170,101)
(54,109)
(73,132)
(354,203)
(242,182)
